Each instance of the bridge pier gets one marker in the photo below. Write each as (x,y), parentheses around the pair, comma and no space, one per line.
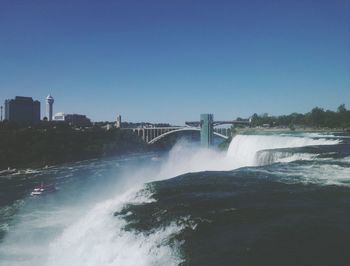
(207,130)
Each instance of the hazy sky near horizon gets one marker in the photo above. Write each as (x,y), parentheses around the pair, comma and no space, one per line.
(170,60)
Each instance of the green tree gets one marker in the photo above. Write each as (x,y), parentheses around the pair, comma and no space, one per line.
(317,116)
(342,108)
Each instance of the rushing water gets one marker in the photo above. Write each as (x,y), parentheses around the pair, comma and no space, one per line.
(280,199)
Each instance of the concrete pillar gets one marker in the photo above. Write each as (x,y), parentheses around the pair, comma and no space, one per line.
(206,122)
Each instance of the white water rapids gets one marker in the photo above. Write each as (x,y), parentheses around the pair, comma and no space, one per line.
(94,236)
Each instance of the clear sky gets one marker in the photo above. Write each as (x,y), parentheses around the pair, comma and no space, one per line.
(170,60)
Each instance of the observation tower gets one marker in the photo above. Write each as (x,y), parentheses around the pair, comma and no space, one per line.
(49,107)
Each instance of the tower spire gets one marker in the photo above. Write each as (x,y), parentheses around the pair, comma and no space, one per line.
(49,107)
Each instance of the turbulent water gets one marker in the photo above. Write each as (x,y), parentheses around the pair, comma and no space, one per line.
(281,199)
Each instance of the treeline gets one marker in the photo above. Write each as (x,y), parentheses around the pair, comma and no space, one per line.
(50,143)
(317,118)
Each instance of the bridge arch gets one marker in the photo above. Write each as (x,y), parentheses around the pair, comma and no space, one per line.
(180,130)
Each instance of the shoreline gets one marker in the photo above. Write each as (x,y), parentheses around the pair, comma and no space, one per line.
(29,170)
(33,166)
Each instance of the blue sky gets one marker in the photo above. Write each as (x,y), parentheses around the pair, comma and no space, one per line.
(169,61)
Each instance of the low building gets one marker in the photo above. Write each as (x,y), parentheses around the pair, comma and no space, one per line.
(59,117)
(22,110)
(73,119)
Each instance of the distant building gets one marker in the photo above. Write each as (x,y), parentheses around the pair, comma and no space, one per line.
(22,110)
(73,119)
(49,107)
(77,120)
(59,117)
(118,123)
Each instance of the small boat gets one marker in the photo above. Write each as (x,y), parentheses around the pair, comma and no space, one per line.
(43,189)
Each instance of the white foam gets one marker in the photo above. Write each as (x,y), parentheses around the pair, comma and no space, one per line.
(298,157)
(327,174)
(344,160)
(269,157)
(244,148)
(321,174)
(97,237)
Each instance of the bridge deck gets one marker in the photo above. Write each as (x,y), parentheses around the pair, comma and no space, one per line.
(153,134)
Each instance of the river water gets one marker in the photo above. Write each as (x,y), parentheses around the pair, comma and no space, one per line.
(278,199)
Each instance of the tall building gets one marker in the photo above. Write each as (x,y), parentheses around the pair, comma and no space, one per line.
(22,110)
(118,123)
(49,107)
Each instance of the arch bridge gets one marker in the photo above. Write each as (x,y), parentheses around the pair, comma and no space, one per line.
(206,127)
(151,135)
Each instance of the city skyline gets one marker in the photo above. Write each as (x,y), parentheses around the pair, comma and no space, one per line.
(170,61)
